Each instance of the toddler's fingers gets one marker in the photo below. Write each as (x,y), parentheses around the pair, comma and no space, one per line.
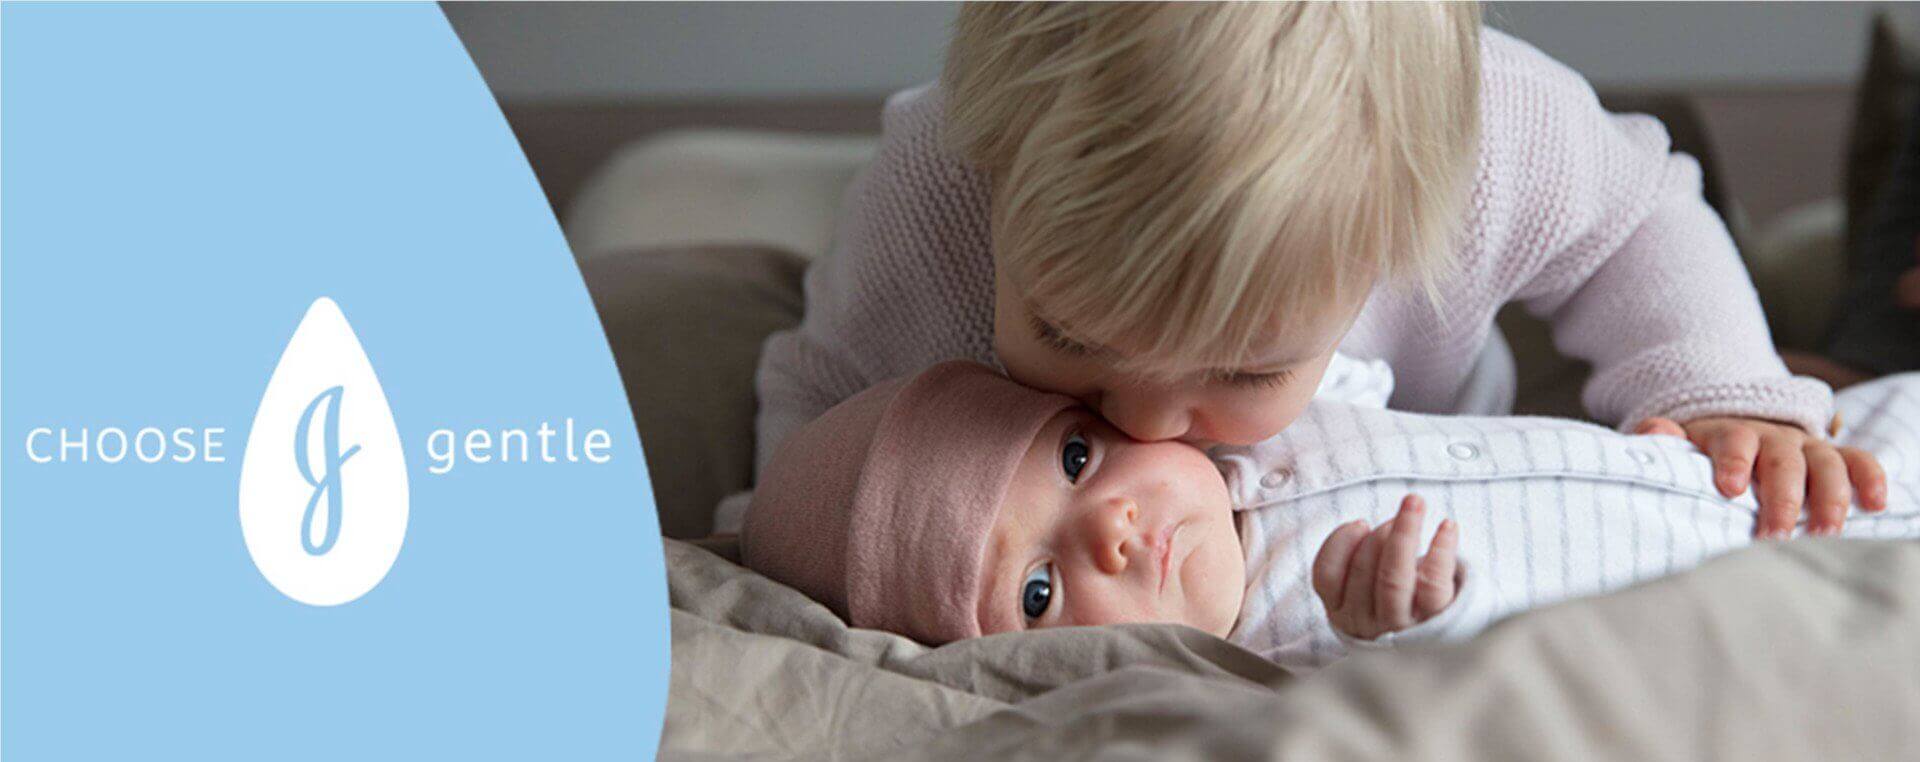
(1393,577)
(1782,472)
(1662,426)
(1828,493)
(1733,449)
(1330,565)
(1869,480)
(1434,592)
(1359,593)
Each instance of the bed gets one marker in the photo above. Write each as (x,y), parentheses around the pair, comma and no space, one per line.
(1807,650)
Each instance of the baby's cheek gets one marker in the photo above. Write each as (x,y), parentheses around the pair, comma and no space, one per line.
(1112,604)
(1217,587)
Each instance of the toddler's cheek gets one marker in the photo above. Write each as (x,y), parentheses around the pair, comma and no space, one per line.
(1252,423)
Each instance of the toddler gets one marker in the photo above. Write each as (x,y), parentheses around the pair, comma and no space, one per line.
(1175,213)
(957,503)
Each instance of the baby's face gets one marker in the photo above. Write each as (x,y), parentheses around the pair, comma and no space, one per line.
(1098,528)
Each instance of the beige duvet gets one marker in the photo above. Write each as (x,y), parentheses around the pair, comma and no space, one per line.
(1806,650)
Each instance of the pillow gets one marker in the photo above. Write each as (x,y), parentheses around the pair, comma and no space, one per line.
(696,186)
(1881,107)
(685,324)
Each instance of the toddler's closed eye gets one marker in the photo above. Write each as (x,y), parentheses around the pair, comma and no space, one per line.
(1272,380)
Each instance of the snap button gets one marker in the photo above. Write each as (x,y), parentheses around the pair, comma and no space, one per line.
(1463,450)
(1641,456)
(1273,479)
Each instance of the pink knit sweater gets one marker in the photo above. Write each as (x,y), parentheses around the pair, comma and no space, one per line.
(1582,216)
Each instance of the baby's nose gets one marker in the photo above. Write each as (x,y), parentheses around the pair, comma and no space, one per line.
(1110,526)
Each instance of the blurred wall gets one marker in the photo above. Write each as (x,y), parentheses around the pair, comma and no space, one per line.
(1773,80)
(1715,45)
(688,50)
(681,51)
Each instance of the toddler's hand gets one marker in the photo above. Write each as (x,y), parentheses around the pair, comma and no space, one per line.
(1376,582)
(1790,467)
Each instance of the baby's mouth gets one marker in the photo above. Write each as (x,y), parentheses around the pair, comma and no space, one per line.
(1165,548)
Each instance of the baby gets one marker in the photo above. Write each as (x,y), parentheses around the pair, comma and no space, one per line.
(957,503)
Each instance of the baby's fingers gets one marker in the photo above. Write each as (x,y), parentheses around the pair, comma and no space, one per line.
(1393,580)
(1358,603)
(1435,590)
(1330,566)
(1869,480)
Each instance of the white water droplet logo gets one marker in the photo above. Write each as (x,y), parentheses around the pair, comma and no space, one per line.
(323,481)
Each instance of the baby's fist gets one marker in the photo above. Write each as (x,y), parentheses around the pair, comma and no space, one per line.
(1376,582)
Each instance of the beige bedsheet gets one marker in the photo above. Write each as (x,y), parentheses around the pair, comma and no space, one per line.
(1807,650)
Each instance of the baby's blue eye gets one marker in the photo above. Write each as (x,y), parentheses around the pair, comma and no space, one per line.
(1037,592)
(1073,457)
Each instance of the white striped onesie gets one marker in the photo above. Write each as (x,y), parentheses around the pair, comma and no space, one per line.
(1548,509)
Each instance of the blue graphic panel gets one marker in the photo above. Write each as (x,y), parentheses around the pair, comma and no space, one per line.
(181,185)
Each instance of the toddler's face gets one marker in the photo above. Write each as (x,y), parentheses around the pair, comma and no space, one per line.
(1238,406)
(1098,528)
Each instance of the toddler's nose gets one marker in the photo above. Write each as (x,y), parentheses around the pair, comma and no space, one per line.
(1146,415)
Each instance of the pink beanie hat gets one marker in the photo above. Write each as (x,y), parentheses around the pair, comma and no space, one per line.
(881,508)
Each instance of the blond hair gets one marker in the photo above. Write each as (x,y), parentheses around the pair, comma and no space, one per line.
(1183,177)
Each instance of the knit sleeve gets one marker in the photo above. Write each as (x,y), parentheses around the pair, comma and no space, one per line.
(1617,248)
(909,281)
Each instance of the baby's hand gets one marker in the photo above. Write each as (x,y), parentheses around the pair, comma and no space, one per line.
(1790,468)
(1375,582)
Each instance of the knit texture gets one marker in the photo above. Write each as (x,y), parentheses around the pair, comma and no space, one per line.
(1583,216)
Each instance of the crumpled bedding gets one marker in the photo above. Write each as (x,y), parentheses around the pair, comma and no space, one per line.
(1802,650)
